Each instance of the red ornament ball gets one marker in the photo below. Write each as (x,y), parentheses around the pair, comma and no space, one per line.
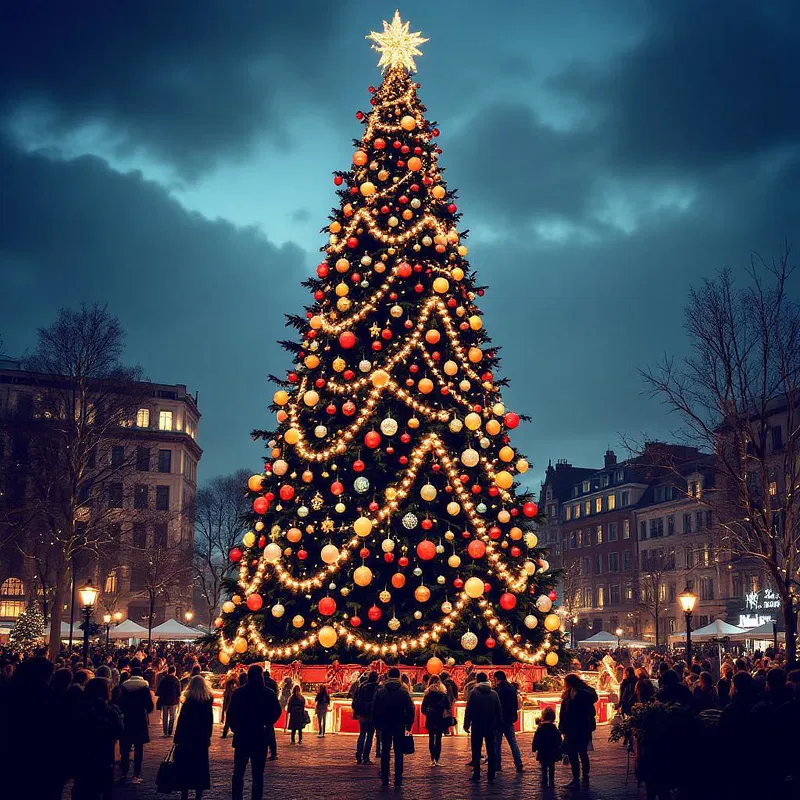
(530,509)
(347,340)
(327,606)
(236,555)
(404,269)
(372,439)
(426,524)
(511,419)
(508,601)
(426,550)
(374,613)
(352,242)
(337,488)
(337,179)
(494,532)
(476,548)
(355,621)
(287,492)
(402,561)
(254,602)
(302,554)
(349,408)
(322,270)
(364,552)
(260,505)
(458,583)
(491,643)
(358,465)
(553,595)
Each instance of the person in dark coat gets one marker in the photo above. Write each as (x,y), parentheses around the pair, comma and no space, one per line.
(193,738)
(703,695)
(483,719)
(737,735)
(363,700)
(627,691)
(673,691)
(547,746)
(296,712)
(322,703)
(436,710)
(252,715)
(98,730)
(509,702)
(135,703)
(452,692)
(577,722)
(230,686)
(272,742)
(169,695)
(724,686)
(645,691)
(392,716)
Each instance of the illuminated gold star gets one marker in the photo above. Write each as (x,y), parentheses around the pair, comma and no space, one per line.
(327,525)
(397,45)
(375,329)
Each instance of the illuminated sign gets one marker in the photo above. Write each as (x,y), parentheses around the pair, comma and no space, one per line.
(760,607)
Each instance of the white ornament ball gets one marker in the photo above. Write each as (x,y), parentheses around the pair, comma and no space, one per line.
(302,511)
(469,641)
(417,571)
(470,457)
(329,554)
(481,508)
(440,548)
(361,484)
(544,603)
(320,431)
(456,425)
(531,621)
(366,261)
(279,467)
(272,552)
(278,611)
(440,580)
(389,426)
(410,521)
(365,366)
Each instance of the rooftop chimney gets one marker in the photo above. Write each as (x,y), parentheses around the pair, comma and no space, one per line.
(611,459)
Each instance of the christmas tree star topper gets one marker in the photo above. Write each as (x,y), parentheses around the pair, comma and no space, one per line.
(397,45)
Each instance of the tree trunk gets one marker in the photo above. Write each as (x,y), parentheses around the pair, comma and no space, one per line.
(150,620)
(790,623)
(59,592)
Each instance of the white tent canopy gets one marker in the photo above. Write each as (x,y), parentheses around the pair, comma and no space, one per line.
(718,629)
(599,639)
(128,630)
(174,630)
(762,633)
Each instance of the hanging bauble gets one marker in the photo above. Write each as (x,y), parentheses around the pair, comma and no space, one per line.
(472,421)
(530,621)
(272,552)
(367,188)
(374,613)
(364,365)
(387,545)
(464,385)
(503,516)
(338,364)
(455,425)
(396,312)
(552,622)
(358,465)
(259,526)
(307,476)
(529,567)
(503,479)
(249,539)
(398,580)
(441,285)
(450,368)
(224,658)
(280,398)
(453,508)
(254,483)
(544,603)
(385,596)
(320,431)
(228,607)
(294,535)
(408,123)
(511,420)
(506,454)
(531,539)
(236,555)
(491,643)
(544,565)
(361,484)
(327,606)
(327,636)
(255,601)
(417,615)
(410,521)
(362,576)
(439,549)
(522,466)
(363,526)
(380,378)
(394,624)
(553,595)
(355,621)
(428,492)
(432,336)
(426,550)
(425,385)
(515,534)
(298,620)
(329,554)
(454,561)
(278,611)
(447,607)
(469,641)
(481,508)
(470,457)
(347,340)
(302,511)
(434,665)
(474,587)
(476,548)
(551,659)
(372,439)
(360,158)
(530,509)
(422,594)
(240,644)
(440,579)
(337,487)
(310,398)
(389,426)
(417,571)
(508,601)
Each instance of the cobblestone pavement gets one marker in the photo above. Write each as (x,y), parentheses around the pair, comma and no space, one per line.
(327,767)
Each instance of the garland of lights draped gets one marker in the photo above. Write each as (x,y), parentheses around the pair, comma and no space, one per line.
(388,519)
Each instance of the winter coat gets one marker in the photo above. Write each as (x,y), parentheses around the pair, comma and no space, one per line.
(135,703)
(364,700)
(547,743)
(98,730)
(702,700)
(321,703)
(169,691)
(644,690)
(253,711)
(452,689)
(435,708)
(231,685)
(285,694)
(192,740)
(627,695)
(296,709)
(509,702)
(675,693)
(484,713)
(577,718)
(393,708)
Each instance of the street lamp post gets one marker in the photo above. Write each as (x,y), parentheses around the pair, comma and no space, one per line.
(107,620)
(619,633)
(189,616)
(688,599)
(572,629)
(88,595)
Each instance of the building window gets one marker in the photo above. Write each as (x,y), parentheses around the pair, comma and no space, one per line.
(115,495)
(706,588)
(613,562)
(117,456)
(700,519)
(614,596)
(604,481)
(709,519)
(165,460)
(143,459)
(623,499)
(576,512)
(139,536)
(162,498)
(587,597)
(160,535)
(564,543)
(687,523)
(689,558)
(568,513)
(628,591)
(626,560)
(612,531)
(140,495)
(11,609)
(626,529)
(587,508)
(660,527)
(586,486)
(165,420)
(599,534)
(619,476)
(773,488)
(573,539)
(777,438)
(601,597)
(12,587)
(642,530)
(143,418)
(662,592)
(670,526)
(612,502)
(598,565)
(598,505)
(111,582)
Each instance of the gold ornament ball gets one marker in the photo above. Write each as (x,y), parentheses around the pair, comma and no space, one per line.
(413,423)
(362,576)
(552,622)
(422,594)
(249,539)
(272,552)
(440,285)
(456,425)
(530,621)
(450,368)
(415,164)
(408,123)
(280,467)
(454,561)
(298,621)
(472,421)
(464,385)
(522,466)
(470,457)
(551,659)
(380,378)
(240,644)
(506,454)
(335,227)
(339,364)
(342,289)
(311,361)
(475,355)
(453,508)
(254,483)
(294,535)
(329,554)
(327,636)
(449,535)
(280,398)
(278,610)
(315,322)
(385,596)
(360,158)
(228,607)
(447,607)
(428,492)
(417,615)
(515,533)
(259,526)
(492,427)
(363,526)
(531,539)
(457,273)
(474,587)
(307,476)
(393,624)
(438,191)
(475,322)
(504,479)
(425,385)
(224,658)
(367,188)
(292,436)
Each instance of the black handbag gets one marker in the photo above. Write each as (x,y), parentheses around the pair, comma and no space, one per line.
(450,721)
(408,745)
(306,718)
(167,777)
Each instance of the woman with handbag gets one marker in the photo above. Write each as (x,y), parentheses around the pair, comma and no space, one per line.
(193,738)
(436,709)
(297,714)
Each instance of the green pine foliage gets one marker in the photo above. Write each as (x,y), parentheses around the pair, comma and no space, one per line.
(28,630)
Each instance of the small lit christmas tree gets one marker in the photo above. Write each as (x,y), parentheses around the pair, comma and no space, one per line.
(28,630)
(389,521)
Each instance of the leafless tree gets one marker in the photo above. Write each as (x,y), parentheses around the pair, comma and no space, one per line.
(219,510)
(739,385)
(652,587)
(572,582)
(84,399)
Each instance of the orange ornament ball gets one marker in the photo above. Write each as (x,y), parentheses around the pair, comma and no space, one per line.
(438,191)
(414,164)
(425,385)
(434,665)
(432,336)
(476,548)
(398,580)
(422,594)
(254,602)
(254,483)
(360,158)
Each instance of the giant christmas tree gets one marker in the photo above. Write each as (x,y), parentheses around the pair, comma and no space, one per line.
(388,521)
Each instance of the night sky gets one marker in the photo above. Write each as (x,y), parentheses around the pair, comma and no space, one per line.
(174,160)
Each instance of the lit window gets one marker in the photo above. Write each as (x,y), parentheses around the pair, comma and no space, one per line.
(599,534)
(11,608)
(773,488)
(598,505)
(143,418)
(601,597)
(626,529)
(12,587)
(612,502)
(111,582)
(587,509)
(165,420)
